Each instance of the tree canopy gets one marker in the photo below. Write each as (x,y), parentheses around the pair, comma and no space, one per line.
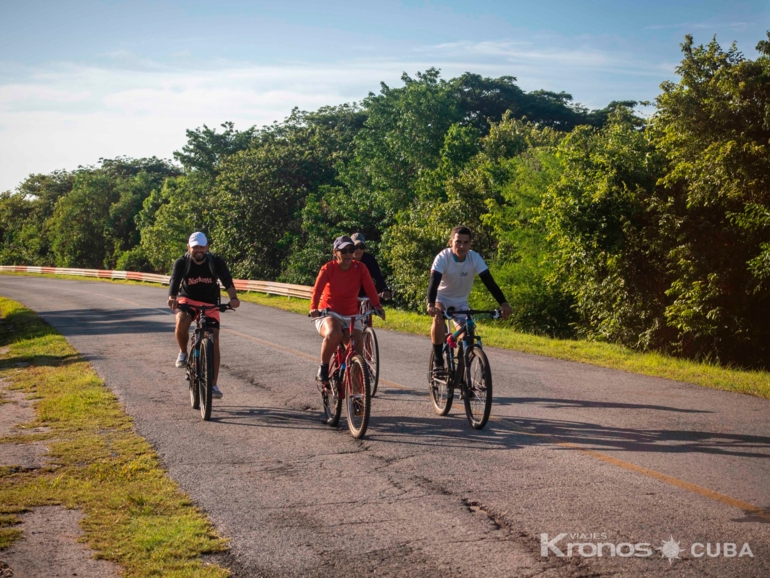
(650,232)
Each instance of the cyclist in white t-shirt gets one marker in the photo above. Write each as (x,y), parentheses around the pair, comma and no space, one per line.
(451,280)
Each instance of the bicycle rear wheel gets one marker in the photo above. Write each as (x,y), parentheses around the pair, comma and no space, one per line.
(440,386)
(358,396)
(478,393)
(206,373)
(330,396)
(372,357)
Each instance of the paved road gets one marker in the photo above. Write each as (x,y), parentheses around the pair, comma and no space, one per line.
(602,456)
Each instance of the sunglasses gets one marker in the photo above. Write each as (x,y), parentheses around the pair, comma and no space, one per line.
(346,251)
(360,247)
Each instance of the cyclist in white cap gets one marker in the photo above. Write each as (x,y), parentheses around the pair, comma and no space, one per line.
(195,281)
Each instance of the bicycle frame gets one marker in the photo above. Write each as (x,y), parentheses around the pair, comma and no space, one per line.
(365,305)
(201,325)
(469,339)
(343,353)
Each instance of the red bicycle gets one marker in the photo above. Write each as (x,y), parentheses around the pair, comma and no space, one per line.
(348,380)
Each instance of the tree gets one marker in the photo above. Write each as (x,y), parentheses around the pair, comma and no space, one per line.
(24,214)
(714,128)
(186,203)
(602,219)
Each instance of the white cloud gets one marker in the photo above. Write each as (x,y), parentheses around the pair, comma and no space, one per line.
(700,26)
(66,114)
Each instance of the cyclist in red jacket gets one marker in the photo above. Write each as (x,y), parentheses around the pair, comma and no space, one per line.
(336,288)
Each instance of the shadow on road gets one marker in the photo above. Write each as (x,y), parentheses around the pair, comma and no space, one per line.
(272,417)
(107,321)
(603,438)
(558,403)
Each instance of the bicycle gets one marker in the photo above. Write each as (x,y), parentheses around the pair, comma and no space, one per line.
(468,369)
(349,380)
(200,361)
(371,347)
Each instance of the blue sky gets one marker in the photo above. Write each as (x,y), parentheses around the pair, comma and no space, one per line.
(85,79)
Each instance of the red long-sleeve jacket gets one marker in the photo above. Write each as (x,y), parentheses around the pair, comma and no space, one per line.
(338,289)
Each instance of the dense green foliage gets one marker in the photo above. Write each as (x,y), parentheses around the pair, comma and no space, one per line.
(652,232)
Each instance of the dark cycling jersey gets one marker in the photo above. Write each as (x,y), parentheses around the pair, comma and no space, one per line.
(199,284)
(374,270)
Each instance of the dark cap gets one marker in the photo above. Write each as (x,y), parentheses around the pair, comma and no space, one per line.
(358,238)
(343,241)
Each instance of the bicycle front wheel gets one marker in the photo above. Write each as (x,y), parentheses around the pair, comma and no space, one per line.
(372,357)
(478,392)
(358,396)
(206,373)
(192,377)
(192,373)
(440,385)
(331,398)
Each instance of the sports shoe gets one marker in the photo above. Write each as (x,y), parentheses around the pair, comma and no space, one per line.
(215,393)
(181,360)
(323,373)
(438,371)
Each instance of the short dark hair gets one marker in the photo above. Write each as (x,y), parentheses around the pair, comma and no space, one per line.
(461,230)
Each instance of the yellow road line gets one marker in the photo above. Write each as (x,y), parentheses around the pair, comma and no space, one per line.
(671,480)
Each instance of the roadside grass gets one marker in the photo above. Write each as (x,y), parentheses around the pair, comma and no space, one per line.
(135,515)
(756,383)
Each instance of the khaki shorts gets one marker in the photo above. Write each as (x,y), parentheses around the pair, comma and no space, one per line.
(459,305)
(359,325)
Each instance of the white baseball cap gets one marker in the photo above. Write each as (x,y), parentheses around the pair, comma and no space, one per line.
(198,238)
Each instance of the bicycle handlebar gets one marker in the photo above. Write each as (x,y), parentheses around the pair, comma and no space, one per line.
(343,318)
(222,307)
(492,313)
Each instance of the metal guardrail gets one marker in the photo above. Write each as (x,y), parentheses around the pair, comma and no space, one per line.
(268,287)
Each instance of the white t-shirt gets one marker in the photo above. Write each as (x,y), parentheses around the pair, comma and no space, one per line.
(457,276)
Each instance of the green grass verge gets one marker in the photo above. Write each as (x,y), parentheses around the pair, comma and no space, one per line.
(755,383)
(135,515)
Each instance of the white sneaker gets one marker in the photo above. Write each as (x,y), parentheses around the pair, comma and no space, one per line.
(215,393)
(181,360)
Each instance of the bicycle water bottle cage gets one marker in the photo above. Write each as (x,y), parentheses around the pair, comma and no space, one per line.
(451,341)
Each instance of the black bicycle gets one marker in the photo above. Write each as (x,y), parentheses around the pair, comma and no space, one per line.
(200,361)
(465,366)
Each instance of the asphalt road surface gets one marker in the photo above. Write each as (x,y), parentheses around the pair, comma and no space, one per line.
(660,477)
